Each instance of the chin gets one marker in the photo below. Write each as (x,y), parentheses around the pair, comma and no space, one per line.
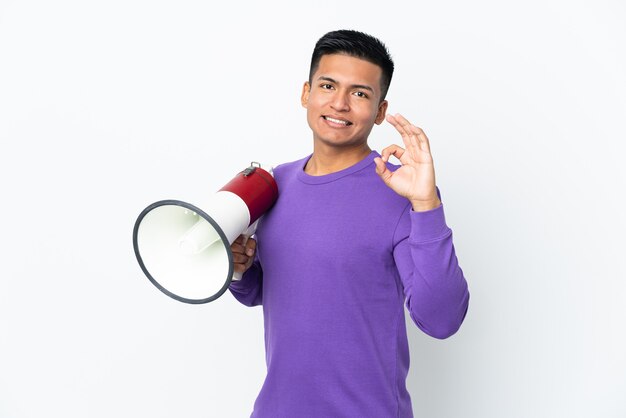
(341,143)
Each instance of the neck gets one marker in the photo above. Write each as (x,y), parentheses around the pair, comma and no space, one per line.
(327,160)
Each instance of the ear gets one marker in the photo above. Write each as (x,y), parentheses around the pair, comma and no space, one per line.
(306,90)
(382,111)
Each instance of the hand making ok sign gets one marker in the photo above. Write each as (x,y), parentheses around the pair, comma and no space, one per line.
(415,179)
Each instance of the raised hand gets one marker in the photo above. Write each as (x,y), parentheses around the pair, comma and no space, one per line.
(415,179)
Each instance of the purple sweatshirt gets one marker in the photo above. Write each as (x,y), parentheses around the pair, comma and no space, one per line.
(337,257)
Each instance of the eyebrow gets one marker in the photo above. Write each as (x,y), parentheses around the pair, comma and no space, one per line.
(354,86)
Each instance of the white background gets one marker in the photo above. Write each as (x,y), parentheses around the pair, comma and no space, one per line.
(106,107)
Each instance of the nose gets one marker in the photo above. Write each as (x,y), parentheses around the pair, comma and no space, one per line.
(340,102)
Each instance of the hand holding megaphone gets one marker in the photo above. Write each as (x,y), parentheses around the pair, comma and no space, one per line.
(185,250)
(244,250)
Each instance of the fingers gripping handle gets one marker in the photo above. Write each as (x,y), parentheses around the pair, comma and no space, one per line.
(246,235)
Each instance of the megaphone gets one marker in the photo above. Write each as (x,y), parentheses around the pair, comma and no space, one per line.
(184,249)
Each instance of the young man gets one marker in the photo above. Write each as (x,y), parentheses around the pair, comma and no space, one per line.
(350,239)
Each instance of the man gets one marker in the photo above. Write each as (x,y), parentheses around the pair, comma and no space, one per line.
(349,240)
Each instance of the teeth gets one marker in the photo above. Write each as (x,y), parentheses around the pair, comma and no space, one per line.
(343,122)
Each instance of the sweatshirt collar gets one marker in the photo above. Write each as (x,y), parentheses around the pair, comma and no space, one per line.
(327,178)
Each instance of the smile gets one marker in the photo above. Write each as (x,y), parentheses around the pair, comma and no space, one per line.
(337,121)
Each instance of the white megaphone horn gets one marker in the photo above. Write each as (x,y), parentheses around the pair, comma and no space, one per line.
(185,250)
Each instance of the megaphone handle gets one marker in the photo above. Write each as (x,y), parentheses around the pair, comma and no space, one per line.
(246,234)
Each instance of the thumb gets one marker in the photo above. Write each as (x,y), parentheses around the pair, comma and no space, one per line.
(250,247)
(381,169)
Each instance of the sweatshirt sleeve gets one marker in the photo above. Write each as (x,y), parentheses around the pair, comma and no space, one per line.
(435,290)
(249,290)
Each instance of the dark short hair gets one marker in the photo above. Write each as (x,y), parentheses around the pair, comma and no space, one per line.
(356,44)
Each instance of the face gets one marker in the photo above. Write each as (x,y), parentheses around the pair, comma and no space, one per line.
(343,100)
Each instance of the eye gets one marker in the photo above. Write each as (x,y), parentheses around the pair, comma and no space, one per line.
(326,86)
(360,94)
